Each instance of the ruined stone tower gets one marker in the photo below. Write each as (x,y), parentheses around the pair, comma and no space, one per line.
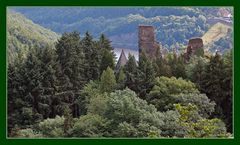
(193,45)
(147,42)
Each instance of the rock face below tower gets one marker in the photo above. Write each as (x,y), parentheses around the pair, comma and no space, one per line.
(193,45)
(147,42)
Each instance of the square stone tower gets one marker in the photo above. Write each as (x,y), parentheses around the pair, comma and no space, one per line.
(147,42)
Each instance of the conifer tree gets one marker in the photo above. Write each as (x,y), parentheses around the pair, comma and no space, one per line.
(217,87)
(161,67)
(107,60)
(108,80)
(106,53)
(72,62)
(146,75)
(92,57)
(131,73)
(121,78)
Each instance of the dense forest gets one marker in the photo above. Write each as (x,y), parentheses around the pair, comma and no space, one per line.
(72,89)
(174,25)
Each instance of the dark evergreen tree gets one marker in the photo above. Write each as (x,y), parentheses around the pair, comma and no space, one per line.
(121,78)
(217,85)
(107,60)
(92,58)
(16,93)
(177,65)
(228,90)
(106,53)
(32,76)
(131,73)
(146,75)
(71,58)
(161,67)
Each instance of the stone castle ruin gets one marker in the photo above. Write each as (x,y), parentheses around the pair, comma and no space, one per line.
(194,44)
(147,42)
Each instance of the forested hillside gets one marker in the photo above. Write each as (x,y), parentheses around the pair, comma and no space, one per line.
(174,25)
(23,34)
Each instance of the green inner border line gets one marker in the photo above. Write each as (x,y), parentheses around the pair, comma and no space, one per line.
(3,77)
(110,137)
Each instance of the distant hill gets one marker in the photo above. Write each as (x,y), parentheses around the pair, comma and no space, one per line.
(22,34)
(174,25)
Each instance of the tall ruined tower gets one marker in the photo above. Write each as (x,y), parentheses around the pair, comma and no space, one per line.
(147,42)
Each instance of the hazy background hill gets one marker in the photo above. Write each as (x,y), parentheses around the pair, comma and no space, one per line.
(174,25)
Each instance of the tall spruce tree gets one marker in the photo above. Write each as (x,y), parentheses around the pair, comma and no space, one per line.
(108,80)
(106,53)
(71,58)
(16,94)
(146,75)
(92,57)
(131,73)
(217,85)
(121,78)
(228,89)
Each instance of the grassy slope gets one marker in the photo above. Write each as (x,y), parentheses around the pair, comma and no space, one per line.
(216,32)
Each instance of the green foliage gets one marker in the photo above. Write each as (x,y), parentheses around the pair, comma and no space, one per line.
(106,53)
(97,104)
(171,127)
(90,90)
(197,126)
(206,107)
(71,58)
(176,64)
(90,126)
(125,108)
(28,133)
(121,79)
(125,129)
(108,80)
(52,127)
(168,91)
(195,69)
(162,67)
(145,76)
(92,57)
(131,73)
(217,84)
